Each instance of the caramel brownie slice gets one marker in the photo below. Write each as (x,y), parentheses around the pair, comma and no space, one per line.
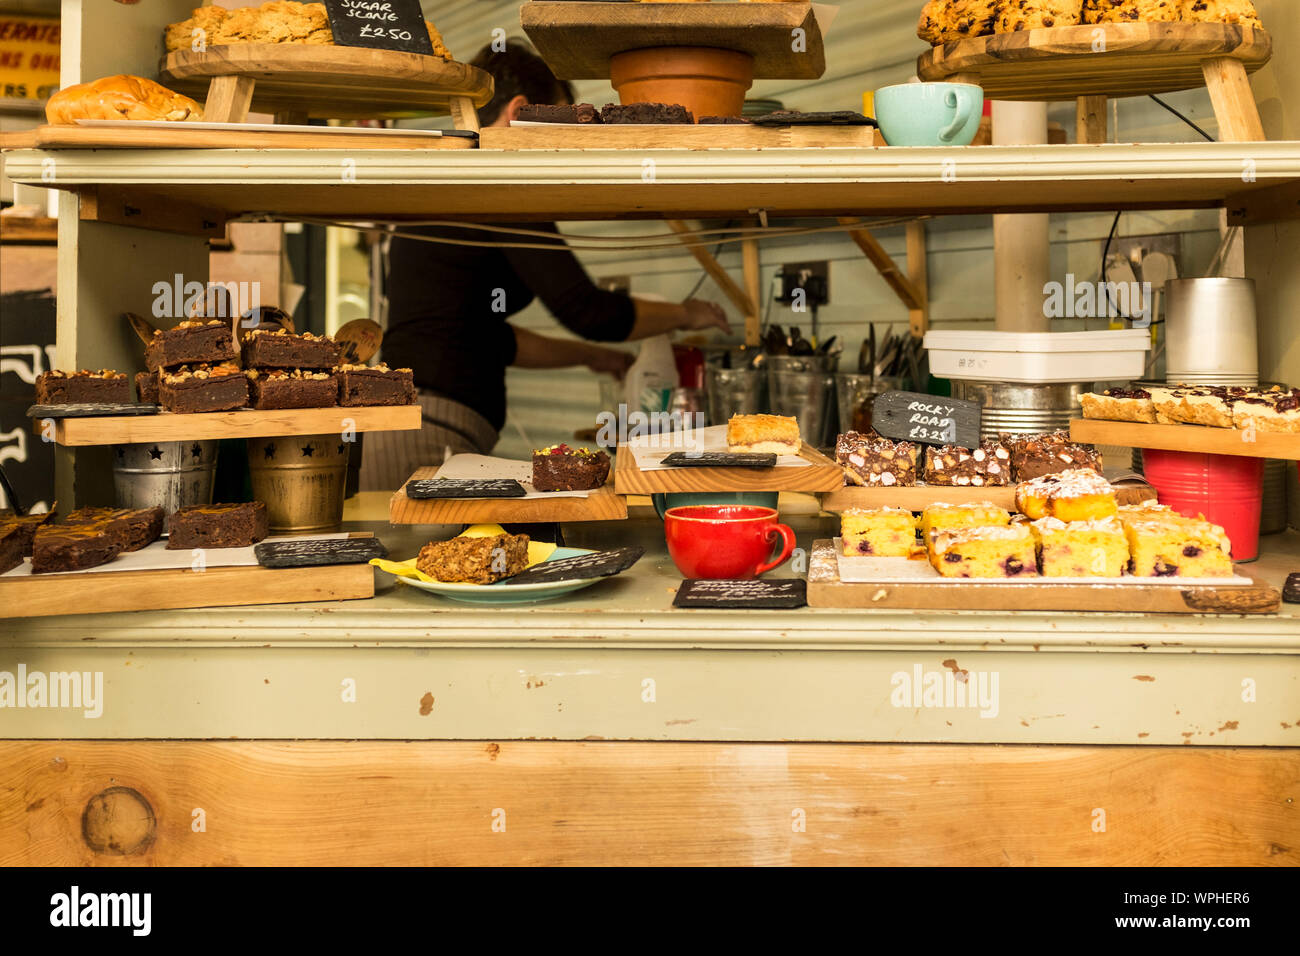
(474,560)
(133,528)
(60,547)
(1033,456)
(872,461)
(11,547)
(263,348)
(561,468)
(191,342)
(292,388)
(217,526)
(26,525)
(990,464)
(204,388)
(83,387)
(375,385)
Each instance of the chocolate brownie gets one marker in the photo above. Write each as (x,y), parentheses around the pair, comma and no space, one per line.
(646,113)
(11,547)
(873,461)
(291,388)
(27,525)
(474,560)
(1291,590)
(561,468)
(193,341)
(264,348)
(217,526)
(375,385)
(986,466)
(1033,456)
(146,387)
(724,121)
(575,113)
(133,528)
(85,386)
(204,388)
(61,547)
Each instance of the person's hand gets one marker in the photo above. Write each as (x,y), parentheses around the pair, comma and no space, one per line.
(613,362)
(702,315)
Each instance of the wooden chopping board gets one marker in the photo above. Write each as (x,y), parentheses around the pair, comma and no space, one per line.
(599,136)
(601,505)
(825,589)
(822,475)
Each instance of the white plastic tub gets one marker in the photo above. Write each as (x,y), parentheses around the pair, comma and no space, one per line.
(1039,356)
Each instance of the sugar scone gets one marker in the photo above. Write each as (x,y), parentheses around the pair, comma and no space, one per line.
(1016,15)
(1132,11)
(880,532)
(986,552)
(1080,549)
(1077,495)
(940,517)
(1273,411)
(764,434)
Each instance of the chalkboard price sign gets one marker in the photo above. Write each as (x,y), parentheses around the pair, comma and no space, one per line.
(720,459)
(927,419)
(380,25)
(757,594)
(90,410)
(314,552)
(601,564)
(464,488)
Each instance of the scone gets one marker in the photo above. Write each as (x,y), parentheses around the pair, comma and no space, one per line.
(764,434)
(1132,11)
(1017,15)
(1221,11)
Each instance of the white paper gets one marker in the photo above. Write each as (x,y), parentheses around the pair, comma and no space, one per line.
(908,571)
(482,467)
(156,557)
(649,451)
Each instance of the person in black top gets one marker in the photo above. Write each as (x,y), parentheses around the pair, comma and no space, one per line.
(448,306)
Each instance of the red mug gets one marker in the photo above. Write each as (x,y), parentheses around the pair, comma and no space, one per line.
(725,542)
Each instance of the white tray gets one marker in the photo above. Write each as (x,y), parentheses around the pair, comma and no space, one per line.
(1039,357)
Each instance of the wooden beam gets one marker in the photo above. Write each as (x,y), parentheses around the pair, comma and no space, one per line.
(918,272)
(1233,100)
(463,114)
(898,280)
(148,211)
(743,303)
(1090,119)
(753,288)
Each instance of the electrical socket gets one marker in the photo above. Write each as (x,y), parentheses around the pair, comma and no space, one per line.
(805,284)
(1135,248)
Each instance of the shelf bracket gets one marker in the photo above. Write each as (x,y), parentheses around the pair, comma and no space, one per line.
(910,286)
(744,302)
(106,204)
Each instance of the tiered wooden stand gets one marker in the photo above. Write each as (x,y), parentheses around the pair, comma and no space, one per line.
(601,505)
(1099,61)
(822,475)
(1192,438)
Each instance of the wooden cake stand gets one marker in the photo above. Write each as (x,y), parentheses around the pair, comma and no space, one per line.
(300,82)
(1097,61)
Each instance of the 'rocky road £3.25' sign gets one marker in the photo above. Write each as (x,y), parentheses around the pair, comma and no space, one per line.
(927,419)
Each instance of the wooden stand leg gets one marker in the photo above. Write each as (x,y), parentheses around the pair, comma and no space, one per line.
(463,114)
(1234,101)
(229,98)
(1090,119)
(918,316)
(749,251)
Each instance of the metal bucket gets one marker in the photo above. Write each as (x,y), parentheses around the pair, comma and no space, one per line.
(1023,408)
(856,398)
(734,391)
(302,479)
(809,397)
(1273,517)
(168,475)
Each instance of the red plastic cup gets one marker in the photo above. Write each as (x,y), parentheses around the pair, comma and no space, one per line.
(1227,489)
(726,542)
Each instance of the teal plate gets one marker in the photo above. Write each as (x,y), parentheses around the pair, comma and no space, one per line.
(505,593)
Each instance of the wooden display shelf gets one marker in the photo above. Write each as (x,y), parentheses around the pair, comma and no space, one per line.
(1195,438)
(99,592)
(28,230)
(242,423)
(328,82)
(825,589)
(601,505)
(822,475)
(578,39)
(245,136)
(599,136)
(1062,63)
(920,497)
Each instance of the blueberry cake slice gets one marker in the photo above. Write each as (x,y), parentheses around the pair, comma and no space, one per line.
(1081,549)
(878,533)
(997,552)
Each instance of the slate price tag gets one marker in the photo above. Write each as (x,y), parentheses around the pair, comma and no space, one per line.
(464,488)
(313,552)
(928,419)
(720,459)
(787,593)
(380,25)
(602,564)
(90,410)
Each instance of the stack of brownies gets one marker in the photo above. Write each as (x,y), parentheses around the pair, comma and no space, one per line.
(192,368)
(286,370)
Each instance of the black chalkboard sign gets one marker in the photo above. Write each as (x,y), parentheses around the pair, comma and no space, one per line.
(90,410)
(758,594)
(720,459)
(380,25)
(464,488)
(601,564)
(927,419)
(313,552)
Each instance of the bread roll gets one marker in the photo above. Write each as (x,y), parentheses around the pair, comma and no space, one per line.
(121,97)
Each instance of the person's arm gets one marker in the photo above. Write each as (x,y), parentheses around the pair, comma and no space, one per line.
(538,351)
(656,318)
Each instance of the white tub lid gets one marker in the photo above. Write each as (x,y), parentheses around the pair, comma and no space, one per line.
(1120,340)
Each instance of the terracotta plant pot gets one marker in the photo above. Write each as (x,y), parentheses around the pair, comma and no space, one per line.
(707,82)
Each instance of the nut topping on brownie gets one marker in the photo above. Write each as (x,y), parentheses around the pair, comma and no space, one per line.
(561,468)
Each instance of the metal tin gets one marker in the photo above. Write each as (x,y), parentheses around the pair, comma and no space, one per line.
(302,479)
(809,397)
(168,475)
(1211,331)
(1018,408)
(734,391)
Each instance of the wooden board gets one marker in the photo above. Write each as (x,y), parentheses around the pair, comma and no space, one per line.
(679,137)
(29,230)
(601,505)
(100,592)
(678,804)
(243,423)
(823,475)
(919,497)
(330,82)
(825,589)
(577,39)
(1063,63)
(1201,438)
(251,136)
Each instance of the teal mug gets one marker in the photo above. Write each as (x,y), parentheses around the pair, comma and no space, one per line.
(758,499)
(930,114)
